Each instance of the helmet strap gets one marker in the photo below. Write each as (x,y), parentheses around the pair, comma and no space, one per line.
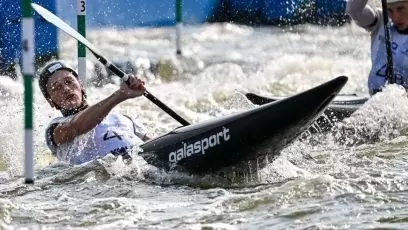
(69,112)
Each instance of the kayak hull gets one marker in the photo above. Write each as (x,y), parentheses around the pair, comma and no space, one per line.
(212,145)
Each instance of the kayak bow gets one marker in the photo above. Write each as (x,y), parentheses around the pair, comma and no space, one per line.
(253,135)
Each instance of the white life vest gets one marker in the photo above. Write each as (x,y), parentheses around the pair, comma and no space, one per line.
(116,134)
(399,44)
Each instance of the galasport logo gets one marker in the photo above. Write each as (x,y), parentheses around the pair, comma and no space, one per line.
(199,146)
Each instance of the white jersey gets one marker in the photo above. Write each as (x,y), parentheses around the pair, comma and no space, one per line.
(399,44)
(372,21)
(116,134)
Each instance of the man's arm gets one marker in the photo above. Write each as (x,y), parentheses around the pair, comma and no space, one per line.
(362,14)
(87,119)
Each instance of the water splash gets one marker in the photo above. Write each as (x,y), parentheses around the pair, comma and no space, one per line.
(382,118)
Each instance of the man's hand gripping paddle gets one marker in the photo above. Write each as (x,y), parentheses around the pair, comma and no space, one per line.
(52,18)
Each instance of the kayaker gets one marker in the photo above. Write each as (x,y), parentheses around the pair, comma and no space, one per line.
(85,132)
(372,20)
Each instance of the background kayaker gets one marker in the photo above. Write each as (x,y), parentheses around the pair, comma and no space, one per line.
(372,21)
(86,132)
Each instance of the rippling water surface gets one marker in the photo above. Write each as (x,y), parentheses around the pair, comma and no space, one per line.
(355,178)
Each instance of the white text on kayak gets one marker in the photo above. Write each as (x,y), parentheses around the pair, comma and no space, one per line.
(199,146)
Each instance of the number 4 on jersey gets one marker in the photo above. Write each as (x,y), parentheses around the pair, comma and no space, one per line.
(111,134)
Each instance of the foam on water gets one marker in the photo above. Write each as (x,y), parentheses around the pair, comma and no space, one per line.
(314,183)
(280,65)
(382,118)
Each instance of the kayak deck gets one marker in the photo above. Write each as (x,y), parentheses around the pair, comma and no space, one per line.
(256,134)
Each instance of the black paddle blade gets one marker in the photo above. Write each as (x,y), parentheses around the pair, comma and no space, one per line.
(257,99)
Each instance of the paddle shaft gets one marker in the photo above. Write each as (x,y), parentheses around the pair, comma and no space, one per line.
(390,66)
(55,20)
(148,95)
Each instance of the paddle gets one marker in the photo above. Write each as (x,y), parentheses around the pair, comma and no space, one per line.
(390,71)
(52,18)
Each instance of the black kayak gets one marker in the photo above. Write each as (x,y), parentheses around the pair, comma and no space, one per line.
(341,107)
(251,135)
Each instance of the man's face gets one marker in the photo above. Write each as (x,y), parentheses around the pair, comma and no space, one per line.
(65,90)
(398,12)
